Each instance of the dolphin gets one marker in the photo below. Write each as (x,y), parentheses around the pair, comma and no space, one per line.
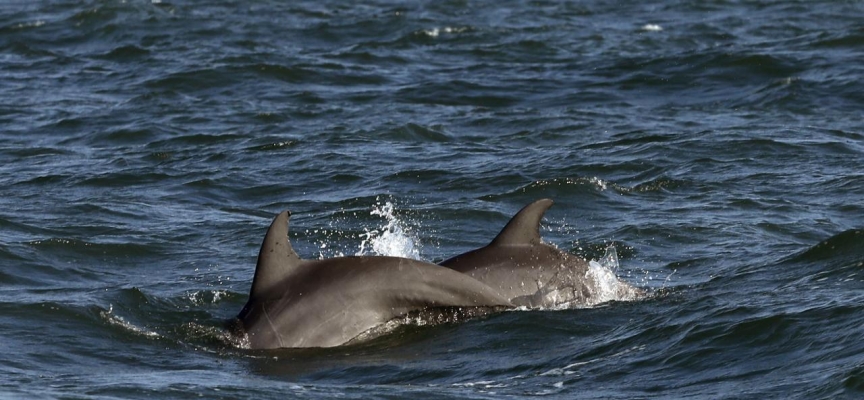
(330,302)
(531,273)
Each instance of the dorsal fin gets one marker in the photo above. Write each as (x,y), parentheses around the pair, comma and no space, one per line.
(276,259)
(524,227)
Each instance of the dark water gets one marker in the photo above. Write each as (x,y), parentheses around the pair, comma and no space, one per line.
(145,146)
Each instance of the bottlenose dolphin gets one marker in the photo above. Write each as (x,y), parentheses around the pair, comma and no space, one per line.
(330,302)
(531,273)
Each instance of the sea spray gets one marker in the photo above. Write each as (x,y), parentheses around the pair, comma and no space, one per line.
(393,239)
(609,287)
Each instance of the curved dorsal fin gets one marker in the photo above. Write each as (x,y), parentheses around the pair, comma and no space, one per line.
(524,227)
(276,259)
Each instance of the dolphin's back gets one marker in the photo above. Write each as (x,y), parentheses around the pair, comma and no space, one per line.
(521,267)
(330,302)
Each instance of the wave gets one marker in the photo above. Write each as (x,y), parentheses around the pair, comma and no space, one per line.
(836,262)
(275,145)
(457,93)
(125,53)
(848,244)
(591,185)
(415,133)
(65,245)
(853,380)
(554,188)
(198,318)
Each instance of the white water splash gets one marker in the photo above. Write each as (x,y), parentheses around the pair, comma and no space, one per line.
(393,239)
(434,32)
(34,24)
(606,283)
(599,183)
(204,297)
(600,279)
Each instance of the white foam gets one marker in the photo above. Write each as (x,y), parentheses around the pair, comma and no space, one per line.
(572,368)
(434,32)
(652,28)
(598,183)
(607,285)
(119,321)
(392,239)
(34,24)
(201,297)
(431,32)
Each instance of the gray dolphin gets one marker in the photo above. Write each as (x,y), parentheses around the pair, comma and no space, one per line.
(531,273)
(324,303)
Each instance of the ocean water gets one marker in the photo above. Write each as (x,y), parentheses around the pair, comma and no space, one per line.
(145,146)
